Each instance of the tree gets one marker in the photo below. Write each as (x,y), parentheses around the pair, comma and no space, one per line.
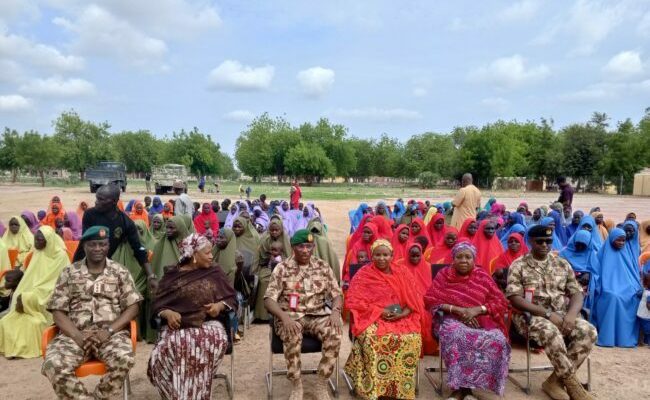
(8,148)
(195,150)
(85,142)
(582,150)
(625,155)
(362,150)
(386,155)
(428,179)
(38,153)
(543,145)
(309,160)
(254,151)
(332,138)
(227,168)
(139,150)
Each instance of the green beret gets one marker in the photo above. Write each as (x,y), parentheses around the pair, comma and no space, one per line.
(539,231)
(97,232)
(301,236)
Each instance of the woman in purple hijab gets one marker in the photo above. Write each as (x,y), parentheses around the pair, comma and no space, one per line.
(2,228)
(230,218)
(72,221)
(30,220)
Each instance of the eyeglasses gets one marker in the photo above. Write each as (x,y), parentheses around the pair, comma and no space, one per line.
(544,241)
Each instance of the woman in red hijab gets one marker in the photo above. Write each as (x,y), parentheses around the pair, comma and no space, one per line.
(389,322)
(368,236)
(468,229)
(138,212)
(437,229)
(206,220)
(516,248)
(384,226)
(442,254)
(399,241)
(418,229)
(488,246)
(168,211)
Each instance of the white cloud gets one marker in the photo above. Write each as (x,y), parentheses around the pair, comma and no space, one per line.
(498,104)
(239,116)
(101,33)
(231,75)
(607,91)
(14,102)
(23,50)
(420,92)
(509,72)
(58,87)
(378,114)
(624,65)
(316,81)
(520,11)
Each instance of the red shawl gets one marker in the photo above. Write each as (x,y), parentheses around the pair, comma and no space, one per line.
(351,257)
(473,290)
(486,249)
(463,233)
(507,257)
(384,227)
(399,248)
(372,290)
(200,220)
(356,235)
(437,237)
(423,231)
(442,254)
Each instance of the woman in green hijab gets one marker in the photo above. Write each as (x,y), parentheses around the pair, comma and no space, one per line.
(248,240)
(157,227)
(146,238)
(224,253)
(189,223)
(166,251)
(323,248)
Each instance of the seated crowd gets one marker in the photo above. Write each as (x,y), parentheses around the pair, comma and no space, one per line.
(415,280)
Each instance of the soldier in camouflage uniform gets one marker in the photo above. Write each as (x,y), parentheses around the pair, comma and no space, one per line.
(538,283)
(93,302)
(296,296)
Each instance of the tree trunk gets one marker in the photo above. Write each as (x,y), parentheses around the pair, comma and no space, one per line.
(41,173)
(14,175)
(82,175)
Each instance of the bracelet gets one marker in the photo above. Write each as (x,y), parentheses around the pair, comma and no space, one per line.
(451,309)
(484,309)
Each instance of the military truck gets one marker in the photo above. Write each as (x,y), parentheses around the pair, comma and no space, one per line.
(106,172)
(164,176)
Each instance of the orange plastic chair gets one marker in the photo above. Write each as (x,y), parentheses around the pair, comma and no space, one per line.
(92,367)
(13,256)
(28,259)
(71,247)
(643,258)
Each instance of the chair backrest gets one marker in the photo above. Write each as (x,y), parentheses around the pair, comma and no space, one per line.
(435,268)
(71,247)
(354,268)
(13,256)
(28,259)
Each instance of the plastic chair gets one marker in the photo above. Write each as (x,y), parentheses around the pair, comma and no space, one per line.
(13,256)
(309,345)
(643,258)
(92,367)
(71,247)
(28,259)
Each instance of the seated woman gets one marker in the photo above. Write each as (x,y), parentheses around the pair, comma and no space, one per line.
(388,324)
(138,213)
(617,294)
(442,254)
(190,297)
(473,340)
(166,250)
(516,248)
(399,241)
(581,253)
(18,237)
(487,244)
(22,327)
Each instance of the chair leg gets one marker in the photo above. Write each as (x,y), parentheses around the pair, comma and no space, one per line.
(126,387)
(269,375)
(527,389)
(588,385)
(231,386)
(336,379)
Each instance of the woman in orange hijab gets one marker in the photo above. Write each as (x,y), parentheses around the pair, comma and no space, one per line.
(54,211)
(138,212)
(168,211)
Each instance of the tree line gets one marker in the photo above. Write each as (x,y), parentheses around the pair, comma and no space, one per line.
(593,152)
(77,144)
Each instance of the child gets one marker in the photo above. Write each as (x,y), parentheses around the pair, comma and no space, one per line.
(362,257)
(12,279)
(276,251)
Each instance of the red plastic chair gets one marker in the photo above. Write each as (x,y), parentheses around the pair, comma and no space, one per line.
(92,367)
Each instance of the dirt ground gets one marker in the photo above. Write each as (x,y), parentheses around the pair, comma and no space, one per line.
(616,373)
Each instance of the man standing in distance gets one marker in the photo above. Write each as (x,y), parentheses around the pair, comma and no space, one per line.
(566,193)
(466,202)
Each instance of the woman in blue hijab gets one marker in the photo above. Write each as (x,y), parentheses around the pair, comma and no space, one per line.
(560,230)
(516,228)
(617,294)
(632,238)
(575,223)
(357,215)
(398,210)
(156,207)
(489,204)
(588,223)
(583,257)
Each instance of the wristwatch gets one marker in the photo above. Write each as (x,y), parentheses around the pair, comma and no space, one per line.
(110,331)
(547,314)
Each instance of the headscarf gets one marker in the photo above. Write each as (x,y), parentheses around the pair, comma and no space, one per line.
(160,233)
(472,290)
(464,230)
(156,206)
(399,248)
(525,205)
(437,237)
(486,249)
(226,257)
(324,249)
(398,210)
(142,215)
(516,228)
(33,221)
(430,213)
(75,225)
(351,256)
(232,214)
(498,209)
(442,254)
(168,214)
(583,261)
(249,239)
(266,240)
(81,210)
(384,227)
(507,257)
(146,238)
(40,215)
(602,229)
(559,230)
(632,244)
(490,202)
(421,271)
(129,206)
(191,244)
(203,217)
(263,219)
(572,228)
(644,236)
(167,251)
(597,240)
(357,215)
(50,217)
(23,241)
(386,207)
(423,231)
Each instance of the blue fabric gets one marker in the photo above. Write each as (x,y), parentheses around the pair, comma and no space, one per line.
(595,236)
(572,228)
(489,203)
(156,206)
(583,261)
(129,206)
(398,210)
(546,221)
(516,228)
(617,294)
(356,216)
(560,230)
(632,244)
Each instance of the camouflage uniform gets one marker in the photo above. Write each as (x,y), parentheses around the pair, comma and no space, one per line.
(91,303)
(552,280)
(314,284)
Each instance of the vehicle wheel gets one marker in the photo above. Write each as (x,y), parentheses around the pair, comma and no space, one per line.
(93,188)
(157,190)
(124,189)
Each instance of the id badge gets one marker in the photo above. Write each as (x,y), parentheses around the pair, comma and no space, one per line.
(97,288)
(293,301)
(528,294)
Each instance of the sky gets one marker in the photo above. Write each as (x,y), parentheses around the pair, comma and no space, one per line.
(400,68)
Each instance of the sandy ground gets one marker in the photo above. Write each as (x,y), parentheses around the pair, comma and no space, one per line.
(616,373)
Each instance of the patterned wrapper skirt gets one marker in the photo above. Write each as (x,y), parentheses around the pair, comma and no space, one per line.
(384,365)
(183,362)
(475,358)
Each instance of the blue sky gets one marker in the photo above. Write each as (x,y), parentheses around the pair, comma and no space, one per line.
(400,68)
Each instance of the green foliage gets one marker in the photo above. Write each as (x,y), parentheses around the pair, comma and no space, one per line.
(139,150)
(309,160)
(428,179)
(195,150)
(38,153)
(8,149)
